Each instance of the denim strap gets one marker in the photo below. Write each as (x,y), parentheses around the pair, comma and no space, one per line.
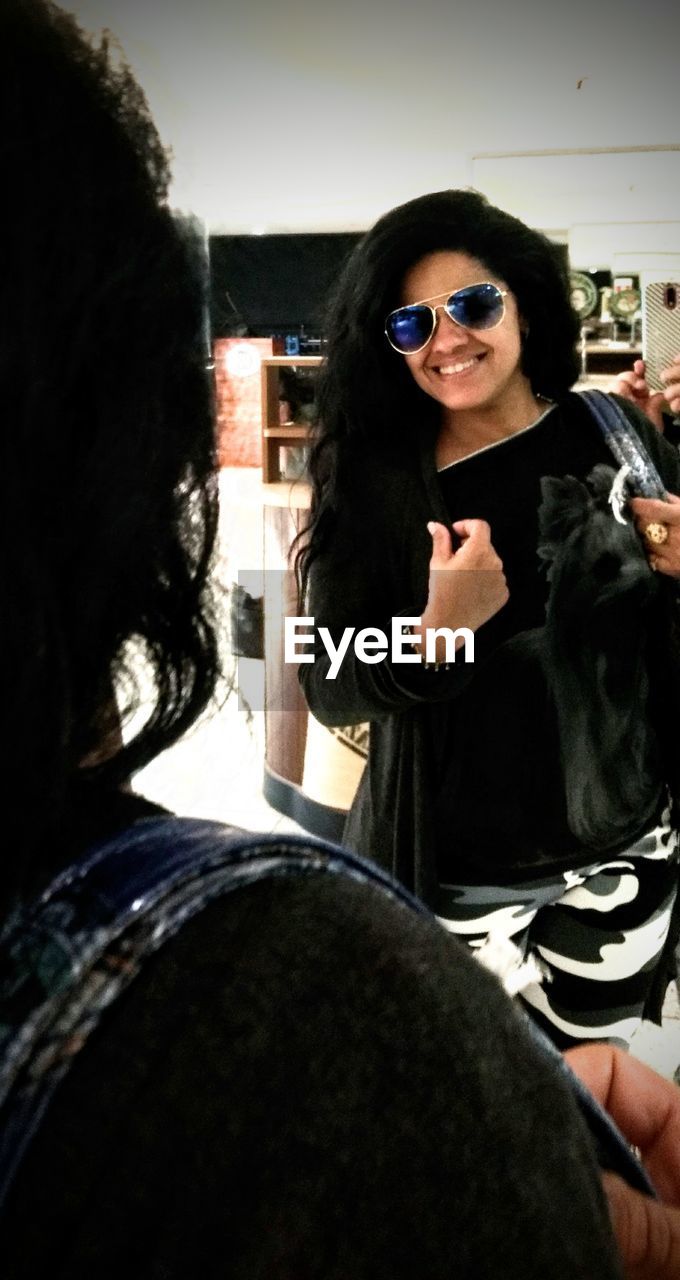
(67,956)
(625,444)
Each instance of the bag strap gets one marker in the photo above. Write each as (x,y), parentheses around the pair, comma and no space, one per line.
(65,958)
(625,443)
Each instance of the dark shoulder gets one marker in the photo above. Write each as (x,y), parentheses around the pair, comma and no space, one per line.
(296,1086)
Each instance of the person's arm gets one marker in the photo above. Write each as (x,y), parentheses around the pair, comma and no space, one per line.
(632,386)
(646,1108)
(378,563)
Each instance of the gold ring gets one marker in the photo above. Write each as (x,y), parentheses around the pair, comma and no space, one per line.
(656,533)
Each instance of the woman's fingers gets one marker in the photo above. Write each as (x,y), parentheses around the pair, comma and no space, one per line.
(658,523)
(474,537)
(442,550)
(647,1232)
(467,586)
(644,1106)
(631,385)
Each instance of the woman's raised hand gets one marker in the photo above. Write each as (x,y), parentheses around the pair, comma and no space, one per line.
(661,519)
(632,385)
(466,586)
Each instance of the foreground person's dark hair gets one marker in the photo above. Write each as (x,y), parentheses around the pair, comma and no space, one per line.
(108,476)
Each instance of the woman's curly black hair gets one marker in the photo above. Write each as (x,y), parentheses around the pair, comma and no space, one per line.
(367,396)
(109,479)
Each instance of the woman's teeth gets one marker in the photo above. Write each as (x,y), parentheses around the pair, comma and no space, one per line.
(458,368)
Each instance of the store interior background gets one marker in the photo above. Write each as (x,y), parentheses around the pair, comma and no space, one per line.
(310,117)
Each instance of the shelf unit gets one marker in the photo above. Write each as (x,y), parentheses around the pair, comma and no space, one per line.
(610,357)
(286,718)
(274,433)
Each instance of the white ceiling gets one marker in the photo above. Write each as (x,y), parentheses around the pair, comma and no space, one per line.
(314,116)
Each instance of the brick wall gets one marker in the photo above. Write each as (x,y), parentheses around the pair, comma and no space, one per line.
(239,411)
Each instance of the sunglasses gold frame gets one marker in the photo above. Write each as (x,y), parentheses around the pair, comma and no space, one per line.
(441,306)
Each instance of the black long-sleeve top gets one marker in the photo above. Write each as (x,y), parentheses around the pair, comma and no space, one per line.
(462,782)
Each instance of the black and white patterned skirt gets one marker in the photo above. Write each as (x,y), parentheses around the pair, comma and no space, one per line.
(595,935)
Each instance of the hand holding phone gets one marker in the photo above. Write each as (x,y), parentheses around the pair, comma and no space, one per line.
(660,331)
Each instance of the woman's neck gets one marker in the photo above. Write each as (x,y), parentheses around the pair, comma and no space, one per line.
(465,431)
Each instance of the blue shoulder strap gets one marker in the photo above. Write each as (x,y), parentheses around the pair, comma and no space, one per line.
(67,956)
(625,443)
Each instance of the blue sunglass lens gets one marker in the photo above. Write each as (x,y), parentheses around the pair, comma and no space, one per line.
(409,328)
(478,307)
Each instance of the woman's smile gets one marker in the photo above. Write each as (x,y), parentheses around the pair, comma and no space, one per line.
(448,369)
(462,368)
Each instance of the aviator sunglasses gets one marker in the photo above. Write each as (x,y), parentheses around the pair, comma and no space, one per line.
(477,306)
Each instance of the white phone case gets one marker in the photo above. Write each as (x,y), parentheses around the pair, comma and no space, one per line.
(660,329)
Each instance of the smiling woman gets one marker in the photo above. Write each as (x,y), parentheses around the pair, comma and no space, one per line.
(470,363)
(444,412)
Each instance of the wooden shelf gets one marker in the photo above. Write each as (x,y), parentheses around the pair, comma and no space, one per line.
(291,362)
(611,357)
(291,494)
(276,434)
(287,430)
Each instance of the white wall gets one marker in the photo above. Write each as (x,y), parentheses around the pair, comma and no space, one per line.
(306,115)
